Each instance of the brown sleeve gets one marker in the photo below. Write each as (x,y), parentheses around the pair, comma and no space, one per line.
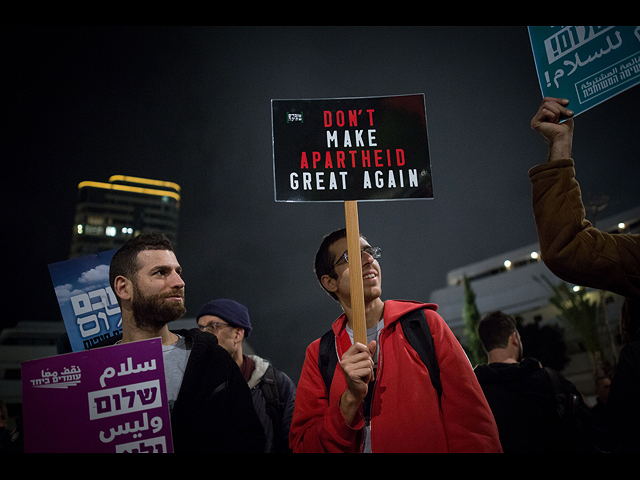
(570,246)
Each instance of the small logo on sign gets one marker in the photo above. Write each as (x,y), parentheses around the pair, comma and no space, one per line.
(295,117)
(65,379)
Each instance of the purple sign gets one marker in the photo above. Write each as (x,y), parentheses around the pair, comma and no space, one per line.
(110,400)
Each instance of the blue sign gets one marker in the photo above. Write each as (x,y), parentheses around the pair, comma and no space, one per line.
(586,64)
(88,305)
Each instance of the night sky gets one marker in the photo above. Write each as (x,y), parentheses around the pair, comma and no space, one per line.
(192,105)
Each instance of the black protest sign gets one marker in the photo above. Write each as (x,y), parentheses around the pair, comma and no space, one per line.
(345,149)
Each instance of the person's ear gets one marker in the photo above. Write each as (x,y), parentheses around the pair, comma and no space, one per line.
(329,283)
(123,287)
(238,334)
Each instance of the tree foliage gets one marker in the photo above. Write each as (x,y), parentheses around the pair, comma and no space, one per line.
(582,315)
(471,319)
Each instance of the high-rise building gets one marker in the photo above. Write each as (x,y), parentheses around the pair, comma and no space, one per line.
(108,214)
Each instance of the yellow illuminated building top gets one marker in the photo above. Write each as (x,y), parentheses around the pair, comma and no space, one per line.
(146,181)
(138,180)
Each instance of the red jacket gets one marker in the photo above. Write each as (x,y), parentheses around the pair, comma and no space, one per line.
(405,413)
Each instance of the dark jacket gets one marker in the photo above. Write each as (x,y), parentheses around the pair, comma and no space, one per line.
(623,405)
(523,405)
(214,412)
(274,396)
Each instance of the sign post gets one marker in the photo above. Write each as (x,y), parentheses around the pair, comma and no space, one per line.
(349,150)
(355,265)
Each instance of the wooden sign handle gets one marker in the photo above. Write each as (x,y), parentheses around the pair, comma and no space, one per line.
(355,272)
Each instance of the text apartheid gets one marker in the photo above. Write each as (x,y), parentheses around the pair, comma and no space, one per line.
(352,148)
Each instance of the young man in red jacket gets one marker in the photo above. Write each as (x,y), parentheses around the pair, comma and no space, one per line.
(403,412)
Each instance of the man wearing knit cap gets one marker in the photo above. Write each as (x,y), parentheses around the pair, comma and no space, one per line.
(272,391)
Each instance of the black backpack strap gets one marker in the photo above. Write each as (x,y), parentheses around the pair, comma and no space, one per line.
(418,334)
(275,407)
(584,431)
(327,358)
(566,402)
(269,386)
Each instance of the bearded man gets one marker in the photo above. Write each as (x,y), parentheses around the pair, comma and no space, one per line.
(210,403)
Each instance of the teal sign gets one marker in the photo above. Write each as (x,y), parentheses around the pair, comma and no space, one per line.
(586,64)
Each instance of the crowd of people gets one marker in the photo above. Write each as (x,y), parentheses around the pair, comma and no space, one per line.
(410,388)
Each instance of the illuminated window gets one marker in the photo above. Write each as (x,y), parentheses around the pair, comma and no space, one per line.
(110,231)
(95,220)
(93,229)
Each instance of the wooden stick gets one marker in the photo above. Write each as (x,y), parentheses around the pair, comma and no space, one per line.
(355,272)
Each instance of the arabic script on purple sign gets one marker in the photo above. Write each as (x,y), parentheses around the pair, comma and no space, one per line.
(110,399)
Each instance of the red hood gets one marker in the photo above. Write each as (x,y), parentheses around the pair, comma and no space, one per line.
(393,310)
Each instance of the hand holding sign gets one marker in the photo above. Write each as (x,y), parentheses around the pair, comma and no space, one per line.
(546,122)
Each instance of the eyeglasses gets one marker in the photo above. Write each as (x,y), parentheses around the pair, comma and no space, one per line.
(374,252)
(213,327)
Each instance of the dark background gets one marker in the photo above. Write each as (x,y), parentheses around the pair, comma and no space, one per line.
(192,105)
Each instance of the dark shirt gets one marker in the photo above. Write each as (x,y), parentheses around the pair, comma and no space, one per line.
(523,405)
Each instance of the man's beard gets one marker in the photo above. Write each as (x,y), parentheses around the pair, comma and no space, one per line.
(153,312)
